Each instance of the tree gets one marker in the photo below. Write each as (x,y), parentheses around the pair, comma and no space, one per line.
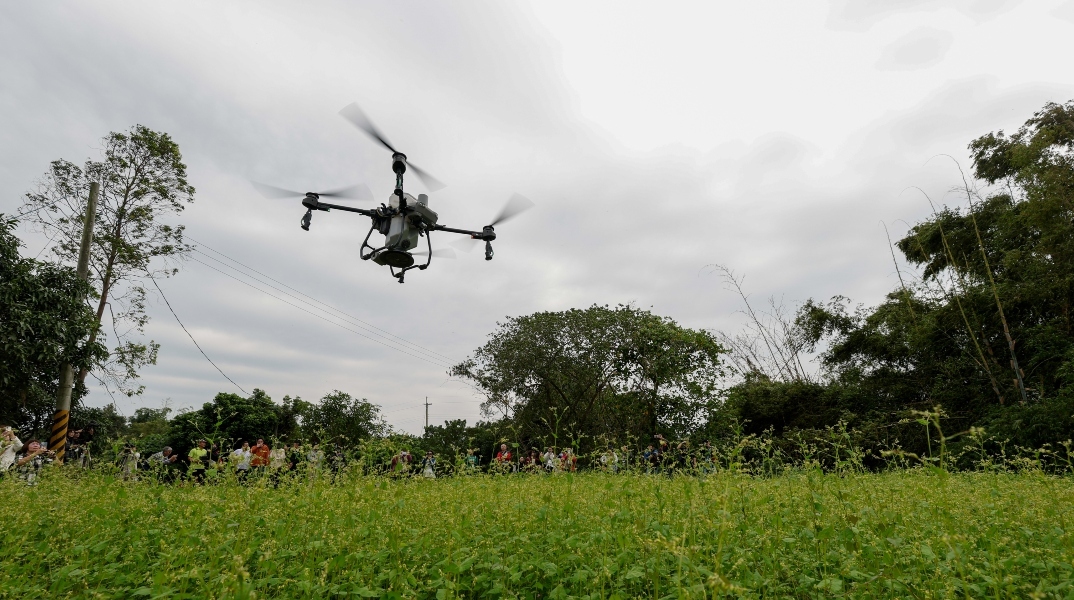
(230,418)
(340,417)
(143,181)
(596,372)
(44,323)
(986,331)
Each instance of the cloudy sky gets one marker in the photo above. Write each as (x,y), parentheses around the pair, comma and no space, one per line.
(654,137)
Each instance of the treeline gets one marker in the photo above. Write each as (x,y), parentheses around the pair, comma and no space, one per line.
(975,342)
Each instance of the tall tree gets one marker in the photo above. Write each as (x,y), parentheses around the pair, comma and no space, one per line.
(143,181)
(596,372)
(44,323)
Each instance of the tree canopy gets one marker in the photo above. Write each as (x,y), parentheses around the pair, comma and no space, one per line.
(601,372)
(143,181)
(985,330)
(44,323)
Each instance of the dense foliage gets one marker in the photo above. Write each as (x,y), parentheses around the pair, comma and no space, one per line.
(802,535)
(985,330)
(44,323)
(600,373)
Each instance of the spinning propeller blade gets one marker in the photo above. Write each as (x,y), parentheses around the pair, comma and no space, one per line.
(359,191)
(438,253)
(353,113)
(515,205)
(431,183)
(272,192)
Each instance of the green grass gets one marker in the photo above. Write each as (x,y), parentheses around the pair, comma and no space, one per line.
(897,535)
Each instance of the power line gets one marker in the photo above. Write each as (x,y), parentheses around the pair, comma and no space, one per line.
(325,319)
(188,333)
(311,298)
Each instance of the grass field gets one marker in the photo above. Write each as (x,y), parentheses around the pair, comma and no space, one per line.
(910,534)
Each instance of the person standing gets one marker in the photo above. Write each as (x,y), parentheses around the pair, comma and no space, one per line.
(242,457)
(549,458)
(471,461)
(198,458)
(261,455)
(503,459)
(34,456)
(128,461)
(428,466)
(9,448)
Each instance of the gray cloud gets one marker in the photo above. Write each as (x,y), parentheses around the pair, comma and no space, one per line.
(919,49)
(860,15)
(476,96)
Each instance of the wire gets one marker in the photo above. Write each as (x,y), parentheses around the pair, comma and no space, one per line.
(188,333)
(304,295)
(325,319)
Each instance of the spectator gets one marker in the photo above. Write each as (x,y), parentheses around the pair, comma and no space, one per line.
(549,457)
(315,456)
(337,462)
(295,457)
(261,456)
(504,456)
(532,461)
(651,457)
(568,461)
(609,461)
(34,456)
(128,461)
(471,462)
(428,466)
(198,459)
(9,447)
(164,463)
(85,437)
(242,457)
(401,462)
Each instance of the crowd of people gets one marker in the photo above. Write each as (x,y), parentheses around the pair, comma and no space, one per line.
(245,461)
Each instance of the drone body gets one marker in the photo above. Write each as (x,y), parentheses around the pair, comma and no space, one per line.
(404,219)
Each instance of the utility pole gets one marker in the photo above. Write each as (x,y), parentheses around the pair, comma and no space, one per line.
(57,442)
(426,412)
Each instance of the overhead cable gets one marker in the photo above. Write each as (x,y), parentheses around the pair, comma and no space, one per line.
(327,307)
(169,304)
(327,320)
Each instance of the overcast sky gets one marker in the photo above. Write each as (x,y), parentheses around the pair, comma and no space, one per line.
(654,137)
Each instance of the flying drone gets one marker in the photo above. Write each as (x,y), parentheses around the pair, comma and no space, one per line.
(404,219)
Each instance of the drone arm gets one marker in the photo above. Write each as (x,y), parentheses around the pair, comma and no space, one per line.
(361,211)
(477,235)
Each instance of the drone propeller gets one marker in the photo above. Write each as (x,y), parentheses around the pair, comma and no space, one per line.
(353,113)
(438,253)
(514,206)
(353,192)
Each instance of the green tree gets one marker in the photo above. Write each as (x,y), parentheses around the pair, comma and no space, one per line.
(143,181)
(341,418)
(986,330)
(230,418)
(44,323)
(595,372)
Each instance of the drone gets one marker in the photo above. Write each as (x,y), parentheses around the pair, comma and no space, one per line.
(404,219)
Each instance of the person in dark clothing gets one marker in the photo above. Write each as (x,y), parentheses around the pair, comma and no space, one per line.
(296,459)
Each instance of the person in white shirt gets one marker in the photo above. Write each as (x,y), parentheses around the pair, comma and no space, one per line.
(9,447)
(241,457)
